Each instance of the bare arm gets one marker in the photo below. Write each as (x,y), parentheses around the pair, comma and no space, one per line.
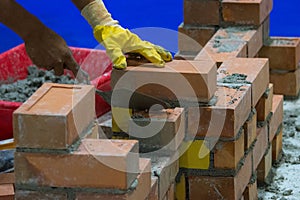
(80,4)
(19,20)
(45,48)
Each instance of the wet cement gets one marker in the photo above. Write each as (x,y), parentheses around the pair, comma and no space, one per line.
(6,161)
(21,90)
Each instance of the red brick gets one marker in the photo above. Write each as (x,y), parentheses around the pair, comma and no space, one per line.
(277,117)
(165,168)
(283,52)
(251,192)
(171,193)
(246,12)
(54,116)
(277,147)
(194,10)
(291,82)
(95,164)
(195,80)
(261,146)
(141,191)
(250,131)
(7,192)
(223,119)
(250,35)
(30,195)
(227,155)
(209,187)
(166,129)
(256,69)
(7,178)
(193,38)
(264,167)
(264,105)
(220,50)
(153,195)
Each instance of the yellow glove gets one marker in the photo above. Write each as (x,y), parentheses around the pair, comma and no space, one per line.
(118,41)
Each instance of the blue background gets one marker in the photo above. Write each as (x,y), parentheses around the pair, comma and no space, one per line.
(64,18)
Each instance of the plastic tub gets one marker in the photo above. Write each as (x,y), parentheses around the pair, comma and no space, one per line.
(13,67)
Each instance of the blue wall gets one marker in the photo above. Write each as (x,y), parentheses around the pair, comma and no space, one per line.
(63,17)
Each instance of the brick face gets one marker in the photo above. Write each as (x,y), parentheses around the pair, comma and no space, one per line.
(228,154)
(251,192)
(256,70)
(96,164)
(277,117)
(291,80)
(264,105)
(209,9)
(7,192)
(226,117)
(246,12)
(195,80)
(193,38)
(208,187)
(141,191)
(252,36)
(264,167)
(54,116)
(168,129)
(283,52)
(153,195)
(261,145)
(250,131)
(277,146)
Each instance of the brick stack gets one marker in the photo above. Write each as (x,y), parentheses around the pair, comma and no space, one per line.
(250,126)
(284,56)
(246,25)
(162,147)
(56,157)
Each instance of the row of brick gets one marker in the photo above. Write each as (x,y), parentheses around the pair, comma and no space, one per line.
(58,156)
(216,184)
(226,12)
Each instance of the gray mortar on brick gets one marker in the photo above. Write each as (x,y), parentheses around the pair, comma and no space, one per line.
(44,189)
(21,90)
(280,42)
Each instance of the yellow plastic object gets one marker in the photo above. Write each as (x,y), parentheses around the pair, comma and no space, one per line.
(120,119)
(180,192)
(196,156)
(118,41)
(7,144)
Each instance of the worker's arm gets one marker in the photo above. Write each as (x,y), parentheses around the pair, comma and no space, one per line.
(45,48)
(116,39)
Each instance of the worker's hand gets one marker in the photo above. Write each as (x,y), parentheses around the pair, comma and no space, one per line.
(118,41)
(48,50)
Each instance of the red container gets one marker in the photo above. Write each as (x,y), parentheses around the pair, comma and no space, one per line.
(13,67)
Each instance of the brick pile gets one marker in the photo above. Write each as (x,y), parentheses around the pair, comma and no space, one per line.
(59,156)
(219,145)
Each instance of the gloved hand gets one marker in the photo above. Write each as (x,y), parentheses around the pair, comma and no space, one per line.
(118,41)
